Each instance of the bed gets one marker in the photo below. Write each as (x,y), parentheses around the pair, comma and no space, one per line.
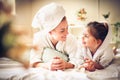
(112,72)
(12,70)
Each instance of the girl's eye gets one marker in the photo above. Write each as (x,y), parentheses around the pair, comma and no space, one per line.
(86,36)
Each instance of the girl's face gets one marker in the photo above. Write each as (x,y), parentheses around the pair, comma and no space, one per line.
(88,40)
(60,32)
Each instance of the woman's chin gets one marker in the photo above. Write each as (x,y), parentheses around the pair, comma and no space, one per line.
(63,40)
(83,45)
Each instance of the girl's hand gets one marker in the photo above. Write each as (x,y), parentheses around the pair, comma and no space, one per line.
(89,65)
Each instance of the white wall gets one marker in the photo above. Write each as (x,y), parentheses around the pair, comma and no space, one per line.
(112,6)
(26,9)
(71,7)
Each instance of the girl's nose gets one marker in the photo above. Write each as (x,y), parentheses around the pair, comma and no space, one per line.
(82,37)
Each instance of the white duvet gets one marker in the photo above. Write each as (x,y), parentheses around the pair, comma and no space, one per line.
(12,70)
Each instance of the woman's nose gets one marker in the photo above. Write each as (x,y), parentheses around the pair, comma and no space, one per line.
(67,32)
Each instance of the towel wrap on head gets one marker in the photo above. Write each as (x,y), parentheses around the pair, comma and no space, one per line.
(48,17)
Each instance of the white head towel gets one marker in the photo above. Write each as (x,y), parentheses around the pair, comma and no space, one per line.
(48,17)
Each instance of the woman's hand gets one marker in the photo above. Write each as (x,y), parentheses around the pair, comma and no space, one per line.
(55,64)
(58,64)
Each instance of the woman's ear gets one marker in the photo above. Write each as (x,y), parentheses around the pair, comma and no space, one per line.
(51,32)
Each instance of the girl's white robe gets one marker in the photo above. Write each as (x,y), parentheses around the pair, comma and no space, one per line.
(104,54)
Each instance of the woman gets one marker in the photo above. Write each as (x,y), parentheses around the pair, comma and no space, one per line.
(96,52)
(55,46)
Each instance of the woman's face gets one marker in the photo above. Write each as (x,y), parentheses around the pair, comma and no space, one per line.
(60,32)
(88,40)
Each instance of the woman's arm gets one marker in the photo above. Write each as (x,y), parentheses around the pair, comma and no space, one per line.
(55,64)
(42,65)
(69,65)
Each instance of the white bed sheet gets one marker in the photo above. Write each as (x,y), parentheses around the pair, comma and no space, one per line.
(12,70)
(112,72)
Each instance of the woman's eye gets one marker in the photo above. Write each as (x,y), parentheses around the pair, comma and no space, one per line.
(85,35)
(62,31)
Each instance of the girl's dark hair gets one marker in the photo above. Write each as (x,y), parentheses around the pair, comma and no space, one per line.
(98,30)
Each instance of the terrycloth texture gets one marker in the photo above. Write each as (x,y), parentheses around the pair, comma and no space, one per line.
(49,54)
(104,54)
(112,72)
(42,39)
(48,17)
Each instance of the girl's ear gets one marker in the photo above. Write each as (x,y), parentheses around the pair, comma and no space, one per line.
(99,41)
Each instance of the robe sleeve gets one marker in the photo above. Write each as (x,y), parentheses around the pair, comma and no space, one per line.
(36,55)
(78,58)
(71,49)
(107,57)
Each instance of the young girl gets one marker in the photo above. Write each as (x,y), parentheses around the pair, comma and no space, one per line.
(95,52)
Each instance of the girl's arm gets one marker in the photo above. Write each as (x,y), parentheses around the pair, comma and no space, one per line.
(98,66)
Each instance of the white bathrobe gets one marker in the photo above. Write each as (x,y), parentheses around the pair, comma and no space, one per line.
(42,39)
(104,54)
